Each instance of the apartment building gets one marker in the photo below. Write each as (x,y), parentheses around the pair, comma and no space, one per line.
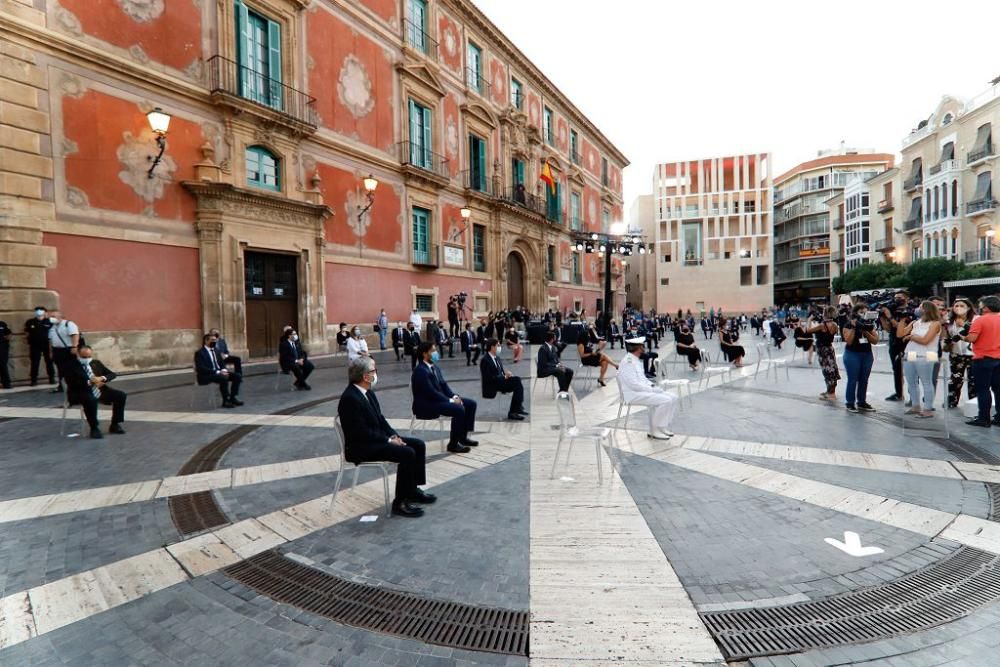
(803,224)
(862,222)
(712,234)
(170,167)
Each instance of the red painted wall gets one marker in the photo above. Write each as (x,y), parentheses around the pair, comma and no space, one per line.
(97,124)
(389,289)
(534,110)
(384,9)
(455,142)
(105,284)
(173,38)
(567,295)
(498,82)
(341,191)
(450,39)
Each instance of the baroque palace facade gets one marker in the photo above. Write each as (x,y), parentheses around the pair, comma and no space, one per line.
(255,216)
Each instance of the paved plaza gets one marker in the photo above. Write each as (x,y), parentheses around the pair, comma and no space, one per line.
(773,529)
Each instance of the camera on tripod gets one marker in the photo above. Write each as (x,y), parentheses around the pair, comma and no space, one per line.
(460,298)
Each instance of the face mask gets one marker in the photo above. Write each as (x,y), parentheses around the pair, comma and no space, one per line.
(54,320)
(39,313)
(374,380)
(85,361)
(357,332)
(435,357)
(295,336)
(211,343)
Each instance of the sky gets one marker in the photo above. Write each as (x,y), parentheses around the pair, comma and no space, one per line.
(669,81)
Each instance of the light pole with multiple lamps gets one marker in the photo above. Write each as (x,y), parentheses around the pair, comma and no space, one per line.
(619,241)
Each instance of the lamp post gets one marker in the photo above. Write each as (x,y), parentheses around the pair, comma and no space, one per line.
(159,122)
(617,241)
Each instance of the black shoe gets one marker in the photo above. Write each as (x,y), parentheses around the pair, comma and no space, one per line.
(116,429)
(305,385)
(228,404)
(522,412)
(893,397)
(34,383)
(513,416)
(864,407)
(95,434)
(851,407)
(235,401)
(57,390)
(421,496)
(984,423)
(8,386)
(403,508)
(469,442)
(996,421)
(457,448)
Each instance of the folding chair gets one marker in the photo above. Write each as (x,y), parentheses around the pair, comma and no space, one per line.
(551,380)
(383,466)
(277,379)
(680,384)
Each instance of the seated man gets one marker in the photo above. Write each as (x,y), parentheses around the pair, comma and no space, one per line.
(222,349)
(498,381)
(550,364)
(470,345)
(614,333)
(368,437)
(398,334)
(638,390)
(209,369)
(560,345)
(293,359)
(432,398)
(342,335)
(411,339)
(444,340)
(87,384)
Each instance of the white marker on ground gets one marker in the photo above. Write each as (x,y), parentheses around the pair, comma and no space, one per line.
(852,545)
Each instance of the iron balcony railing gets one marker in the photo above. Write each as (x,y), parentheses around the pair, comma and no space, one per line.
(912,224)
(425,255)
(990,254)
(476,82)
(476,182)
(577,279)
(980,206)
(884,245)
(885,205)
(575,157)
(836,257)
(417,155)
(227,77)
(419,40)
(913,182)
(838,223)
(980,154)
(519,196)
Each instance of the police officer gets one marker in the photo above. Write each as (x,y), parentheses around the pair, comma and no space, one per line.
(36,330)
(5,333)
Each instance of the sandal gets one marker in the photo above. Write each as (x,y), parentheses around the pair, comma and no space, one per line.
(924,415)
(913,411)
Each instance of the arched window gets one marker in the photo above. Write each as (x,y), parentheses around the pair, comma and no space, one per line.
(927,246)
(944,200)
(928,209)
(263,168)
(954,198)
(937,202)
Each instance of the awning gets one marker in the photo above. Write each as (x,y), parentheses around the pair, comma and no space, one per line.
(916,208)
(948,152)
(972,282)
(918,165)
(984,186)
(983,136)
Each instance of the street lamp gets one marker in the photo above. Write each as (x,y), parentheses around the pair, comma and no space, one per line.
(370,183)
(159,122)
(465,212)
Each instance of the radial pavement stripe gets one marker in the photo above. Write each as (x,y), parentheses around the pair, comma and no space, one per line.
(59,603)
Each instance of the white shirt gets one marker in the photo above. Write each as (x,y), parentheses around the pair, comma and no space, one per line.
(61,335)
(632,378)
(920,328)
(355,346)
(417,322)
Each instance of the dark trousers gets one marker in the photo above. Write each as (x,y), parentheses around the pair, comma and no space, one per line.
(229,385)
(235,362)
(395,348)
(564,376)
(109,396)
(411,458)
(4,359)
(413,359)
(513,386)
(60,356)
(302,371)
(896,357)
(453,328)
(647,361)
(986,374)
(450,345)
(36,352)
(859,369)
(463,418)
(472,356)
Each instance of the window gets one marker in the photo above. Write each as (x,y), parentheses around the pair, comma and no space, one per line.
(604,172)
(605,221)
(553,203)
(761,275)
(664,281)
(262,168)
(746,276)
(550,263)
(547,128)
(475,68)
(421,136)
(954,198)
(478,248)
(692,243)
(517,172)
(574,212)
(416,27)
(574,147)
(477,163)
(258,50)
(424,303)
(576,268)
(421,245)
(516,94)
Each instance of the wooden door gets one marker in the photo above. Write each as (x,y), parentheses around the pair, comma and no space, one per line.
(515,281)
(271,292)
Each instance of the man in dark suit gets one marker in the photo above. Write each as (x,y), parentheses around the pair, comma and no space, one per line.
(209,369)
(614,333)
(293,359)
(432,398)
(549,363)
(87,384)
(398,335)
(410,341)
(444,340)
(222,349)
(470,345)
(368,437)
(481,335)
(498,381)
(37,332)
(5,334)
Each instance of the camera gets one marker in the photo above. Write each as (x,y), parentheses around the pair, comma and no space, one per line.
(961,334)
(460,297)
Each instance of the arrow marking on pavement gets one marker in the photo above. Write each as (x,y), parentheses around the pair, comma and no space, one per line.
(852,545)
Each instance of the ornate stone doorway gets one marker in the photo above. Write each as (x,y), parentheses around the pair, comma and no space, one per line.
(515,281)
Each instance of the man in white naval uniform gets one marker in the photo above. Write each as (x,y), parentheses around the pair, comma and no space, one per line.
(638,390)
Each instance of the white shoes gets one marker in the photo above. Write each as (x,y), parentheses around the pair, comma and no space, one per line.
(660,435)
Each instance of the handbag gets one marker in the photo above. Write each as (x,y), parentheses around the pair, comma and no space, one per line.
(376,328)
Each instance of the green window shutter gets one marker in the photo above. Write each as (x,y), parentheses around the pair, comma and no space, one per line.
(244,49)
(274,65)
(473,162)
(558,217)
(482,165)
(428,140)
(416,134)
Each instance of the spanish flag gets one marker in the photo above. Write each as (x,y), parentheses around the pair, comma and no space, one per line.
(548,177)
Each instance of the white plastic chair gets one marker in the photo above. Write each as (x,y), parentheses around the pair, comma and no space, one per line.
(586,374)
(83,419)
(414,421)
(708,372)
(277,379)
(664,380)
(772,363)
(568,429)
(383,466)
(622,404)
(551,381)
(206,390)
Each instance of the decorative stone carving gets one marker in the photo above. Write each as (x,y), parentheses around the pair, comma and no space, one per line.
(67,20)
(592,210)
(450,40)
(451,138)
(69,146)
(76,197)
(354,88)
(355,202)
(256,207)
(134,156)
(142,11)
(71,85)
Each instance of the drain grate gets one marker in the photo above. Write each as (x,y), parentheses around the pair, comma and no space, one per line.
(195,512)
(937,594)
(381,610)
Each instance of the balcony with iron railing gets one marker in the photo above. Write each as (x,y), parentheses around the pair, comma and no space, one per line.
(476,82)
(575,157)
(945,166)
(418,40)
(518,195)
(990,253)
(420,162)
(913,182)
(243,89)
(912,224)
(517,99)
(980,206)
(836,257)
(979,155)
(425,255)
(884,245)
(477,183)
(885,206)
(838,222)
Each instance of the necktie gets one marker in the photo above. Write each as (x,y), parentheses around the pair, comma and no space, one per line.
(94,389)
(215,363)
(372,401)
(499,365)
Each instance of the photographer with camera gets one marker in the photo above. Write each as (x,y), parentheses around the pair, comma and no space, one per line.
(455,305)
(891,316)
(858,332)
(959,350)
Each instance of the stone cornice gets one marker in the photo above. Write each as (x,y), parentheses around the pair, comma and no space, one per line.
(245,203)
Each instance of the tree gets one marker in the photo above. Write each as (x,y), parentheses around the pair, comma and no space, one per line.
(923,274)
(869,276)
(976,271)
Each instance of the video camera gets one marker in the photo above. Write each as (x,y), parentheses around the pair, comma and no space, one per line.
(460,298)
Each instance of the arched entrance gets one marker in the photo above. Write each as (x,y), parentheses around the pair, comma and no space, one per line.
(515,281)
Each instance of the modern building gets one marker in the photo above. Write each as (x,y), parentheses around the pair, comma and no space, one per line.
(948,164)
(802,220)
(252,209)
(862,222)
(712,234)
(640,268)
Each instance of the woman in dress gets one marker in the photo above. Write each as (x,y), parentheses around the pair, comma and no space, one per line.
(959,351)
(803,340)
(824,332)
(686,346)
(591,354)
(728,338)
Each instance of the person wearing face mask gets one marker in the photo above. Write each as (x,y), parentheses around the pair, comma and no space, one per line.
(36,330)
(64,337)
(921,337)
(222,348)
(470,345)
(959,350)
(209,369)
(356,345)
(87,385)
(686,346)
(443,340)
(398,335)
(432,398)
(859,335)
(410,341)
(293,359)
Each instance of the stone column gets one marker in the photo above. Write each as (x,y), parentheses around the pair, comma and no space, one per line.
(26,201)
